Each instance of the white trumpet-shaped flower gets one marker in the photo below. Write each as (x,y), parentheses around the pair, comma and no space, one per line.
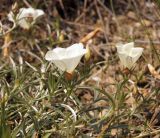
(25,17)
(66,59)
(129,54)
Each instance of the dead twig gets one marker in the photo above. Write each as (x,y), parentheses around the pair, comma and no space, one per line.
(90,35)
(26,3)
(143,135)
(84,12)
(78,24)
(101,19)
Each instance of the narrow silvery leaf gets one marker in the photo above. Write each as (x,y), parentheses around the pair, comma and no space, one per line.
(72,111)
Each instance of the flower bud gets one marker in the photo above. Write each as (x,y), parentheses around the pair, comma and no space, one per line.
(7,40)
(88,53)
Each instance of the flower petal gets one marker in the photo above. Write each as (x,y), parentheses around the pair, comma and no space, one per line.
(129,62)
(24,14)
(128,54)
(38,13)
(119,47)
(136,53)
(51,55)
(72,63)
(11,17)
(126,60)
(60,64)
(75,50)
(66,59)
(60,52)
(24,24)
(128,47)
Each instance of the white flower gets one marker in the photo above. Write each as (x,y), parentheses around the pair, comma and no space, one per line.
(66,59)
(129,54)
(26,17)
